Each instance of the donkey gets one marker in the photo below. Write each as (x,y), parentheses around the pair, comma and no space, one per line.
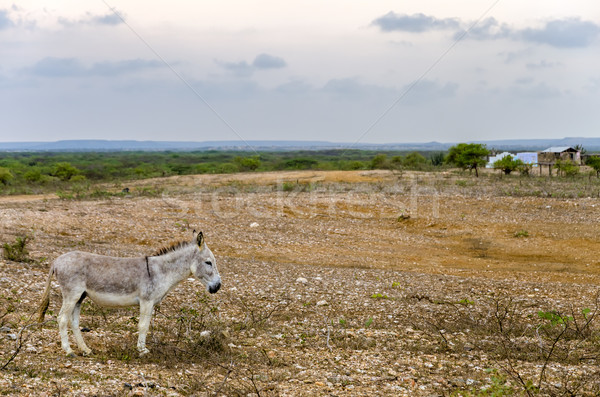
(119,282)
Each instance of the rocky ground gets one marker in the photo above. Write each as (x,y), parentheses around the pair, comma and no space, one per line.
(334,283)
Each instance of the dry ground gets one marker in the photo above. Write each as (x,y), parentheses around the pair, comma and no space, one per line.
(334,283)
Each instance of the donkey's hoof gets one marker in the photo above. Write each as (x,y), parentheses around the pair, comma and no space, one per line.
(71,354)
(144,351)
(87,352)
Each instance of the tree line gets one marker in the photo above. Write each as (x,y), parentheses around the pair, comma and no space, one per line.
(33,171)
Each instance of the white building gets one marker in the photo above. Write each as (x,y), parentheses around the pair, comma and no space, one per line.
(497,157)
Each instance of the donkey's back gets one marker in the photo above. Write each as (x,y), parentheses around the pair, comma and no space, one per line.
(107,280)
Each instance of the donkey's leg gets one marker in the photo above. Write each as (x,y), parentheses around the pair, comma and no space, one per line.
(75,327)
(64,318)
(146,308)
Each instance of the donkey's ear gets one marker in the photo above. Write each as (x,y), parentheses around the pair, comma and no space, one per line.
(200,239)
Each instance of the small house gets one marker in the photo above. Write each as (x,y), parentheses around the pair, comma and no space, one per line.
(550,155)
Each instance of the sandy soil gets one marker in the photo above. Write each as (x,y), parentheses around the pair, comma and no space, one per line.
(334,283)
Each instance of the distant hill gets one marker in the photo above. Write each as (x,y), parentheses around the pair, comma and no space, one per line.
(591,144)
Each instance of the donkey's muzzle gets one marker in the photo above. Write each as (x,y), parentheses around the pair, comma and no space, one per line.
(214,288)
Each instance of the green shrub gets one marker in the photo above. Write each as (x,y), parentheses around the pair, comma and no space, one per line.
(247,163)
(5,175)
(566,168)
(594,162)
(414,160)
(65,171)
(522,233)
(17,251)
(508,164)
(380,162)
(300,164)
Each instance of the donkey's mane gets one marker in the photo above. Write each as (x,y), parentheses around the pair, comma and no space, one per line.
(170,248)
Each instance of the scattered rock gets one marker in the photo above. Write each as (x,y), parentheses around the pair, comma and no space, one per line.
(301,280)
(322,303)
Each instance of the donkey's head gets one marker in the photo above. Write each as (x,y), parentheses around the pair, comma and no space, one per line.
(204,265)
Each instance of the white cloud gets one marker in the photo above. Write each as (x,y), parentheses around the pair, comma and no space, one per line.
(261,62)
(563,33)
(5,21)
(266,61)
(72,67)
(416,23)
(109,19)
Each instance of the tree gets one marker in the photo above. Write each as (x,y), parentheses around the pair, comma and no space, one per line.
(468,156)
(64,171)
(414,160)
(580,149)
(594,162)
(508,164)
(247,163)
(525,169)
(566,167)
(437,159)
(379,162)
(5,175)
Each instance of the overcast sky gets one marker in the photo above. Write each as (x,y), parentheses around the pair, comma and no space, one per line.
(346,71)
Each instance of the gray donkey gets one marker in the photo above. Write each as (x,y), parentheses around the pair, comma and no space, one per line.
(118,282)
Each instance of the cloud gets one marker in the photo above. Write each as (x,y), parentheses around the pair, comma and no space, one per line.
(488,29)
(294,87)
(428,91)
(266,61)
(72,67)
(543,64)
(122,67)
(261,62)
(524,80)
(513,56)
(560,33)
(111,19)
(415,23)
(346,87)
(238,68)
(565,33)
(537,91)
(57,67)
(5,21)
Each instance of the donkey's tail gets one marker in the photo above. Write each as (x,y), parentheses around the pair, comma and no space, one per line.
(45,298)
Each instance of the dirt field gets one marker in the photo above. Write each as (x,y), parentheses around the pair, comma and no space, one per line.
(334,283)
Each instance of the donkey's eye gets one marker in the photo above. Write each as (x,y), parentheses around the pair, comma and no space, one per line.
(209,263)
